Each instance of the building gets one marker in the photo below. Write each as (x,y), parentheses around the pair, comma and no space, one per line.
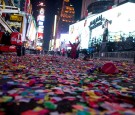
(95,6)
(66,17)
(15,16)
(40,25)
(107,26)
(85,4)
(98,6)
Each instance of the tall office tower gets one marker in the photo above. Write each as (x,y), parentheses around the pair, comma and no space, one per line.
(66,17)
(95,6)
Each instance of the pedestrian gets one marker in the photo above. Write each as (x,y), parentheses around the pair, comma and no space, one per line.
(63,51)
(68,53)
(23,49)
(19,50)
(74,49)
(77,54)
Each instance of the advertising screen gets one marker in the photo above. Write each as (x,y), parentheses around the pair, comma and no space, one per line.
(80,31)
(31,34)
(118,22)
(41,18)
(114,23)
(40,35)
(64,41)
(40,30)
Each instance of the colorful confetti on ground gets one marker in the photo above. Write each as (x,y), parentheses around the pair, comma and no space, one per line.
(48,85)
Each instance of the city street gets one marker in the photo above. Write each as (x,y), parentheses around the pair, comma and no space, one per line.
(48,85)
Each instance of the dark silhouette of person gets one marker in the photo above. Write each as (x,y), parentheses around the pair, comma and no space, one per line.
(68,53)
(6,38)
(19,50)
(74,49)
(23,50)
(77,54)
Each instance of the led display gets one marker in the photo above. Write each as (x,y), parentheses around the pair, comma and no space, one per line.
(116,22)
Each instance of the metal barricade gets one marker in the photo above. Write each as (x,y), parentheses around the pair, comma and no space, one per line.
(127,55)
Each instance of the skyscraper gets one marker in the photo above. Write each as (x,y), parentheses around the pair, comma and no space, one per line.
(63,18)
(66,17)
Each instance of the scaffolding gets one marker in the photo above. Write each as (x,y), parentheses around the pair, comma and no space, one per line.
(7,6)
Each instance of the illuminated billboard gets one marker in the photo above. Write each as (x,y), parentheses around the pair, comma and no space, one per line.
(31,34)
(40,30)
(117,21)
(41,18)
(64,41)
(80,31)
(31,31)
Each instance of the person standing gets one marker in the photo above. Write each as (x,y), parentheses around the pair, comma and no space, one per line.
(23,50)
(74,49)
(68,53)
(19,50)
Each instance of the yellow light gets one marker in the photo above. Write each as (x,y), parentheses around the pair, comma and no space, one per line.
(66,0)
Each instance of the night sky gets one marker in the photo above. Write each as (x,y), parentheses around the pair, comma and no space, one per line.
(77,5)
(50,11)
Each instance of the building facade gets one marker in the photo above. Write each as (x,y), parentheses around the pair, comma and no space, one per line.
(66,17)
(98,6)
